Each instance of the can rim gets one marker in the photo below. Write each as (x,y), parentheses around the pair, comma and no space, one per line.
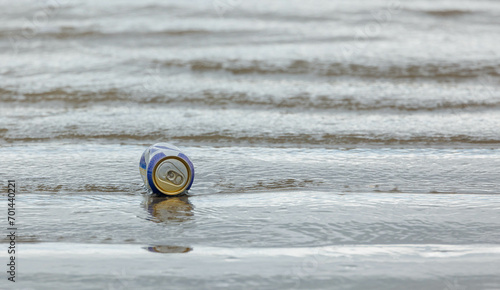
(182,189)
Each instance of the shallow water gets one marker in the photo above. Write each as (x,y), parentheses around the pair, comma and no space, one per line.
(347,145)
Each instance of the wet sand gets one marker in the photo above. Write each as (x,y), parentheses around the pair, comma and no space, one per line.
(337,145)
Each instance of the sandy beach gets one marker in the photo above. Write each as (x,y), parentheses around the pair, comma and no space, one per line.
(337,145)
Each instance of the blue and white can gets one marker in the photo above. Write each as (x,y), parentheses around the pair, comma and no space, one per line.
(166,170)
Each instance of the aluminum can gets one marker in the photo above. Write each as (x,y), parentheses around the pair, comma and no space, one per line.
(166,170)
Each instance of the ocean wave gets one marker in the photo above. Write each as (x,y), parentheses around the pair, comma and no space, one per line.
(446,12)
(341,69)
(76,33)
(277,140)
(217,98)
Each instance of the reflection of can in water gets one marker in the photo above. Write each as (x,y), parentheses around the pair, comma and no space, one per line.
(166,170)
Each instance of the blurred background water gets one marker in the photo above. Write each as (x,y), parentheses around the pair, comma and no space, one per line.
(345,145)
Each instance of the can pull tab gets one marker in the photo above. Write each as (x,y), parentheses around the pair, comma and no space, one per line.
(174,177)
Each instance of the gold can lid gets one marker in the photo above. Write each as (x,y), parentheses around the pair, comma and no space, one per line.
(172,175)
